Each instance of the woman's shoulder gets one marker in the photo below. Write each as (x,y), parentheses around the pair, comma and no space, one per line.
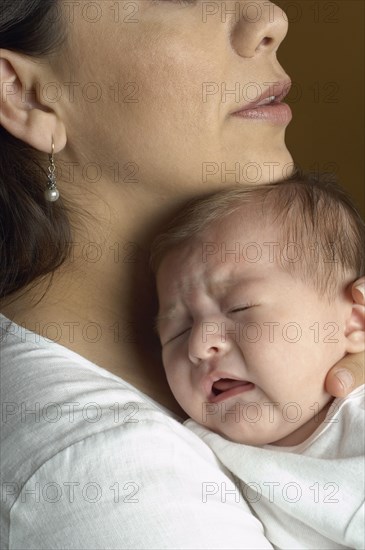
(56,401)
(42,373)
(141,485)
(55,394)
(86,453)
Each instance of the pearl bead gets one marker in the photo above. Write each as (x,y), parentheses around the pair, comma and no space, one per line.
(51,195)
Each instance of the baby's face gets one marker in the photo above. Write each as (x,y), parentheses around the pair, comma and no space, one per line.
(246,347)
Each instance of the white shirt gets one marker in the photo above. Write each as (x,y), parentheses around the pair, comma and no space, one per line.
(310,495)
(90,462)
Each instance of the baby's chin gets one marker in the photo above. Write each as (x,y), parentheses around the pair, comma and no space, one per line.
(254,436)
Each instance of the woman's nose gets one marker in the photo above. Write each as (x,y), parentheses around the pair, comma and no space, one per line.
(260,26)
(207,340)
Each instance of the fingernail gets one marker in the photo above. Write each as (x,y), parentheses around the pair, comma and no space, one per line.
(345,378)
(361,288)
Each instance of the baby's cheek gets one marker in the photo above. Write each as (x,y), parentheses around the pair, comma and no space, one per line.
(170,368)
(177,377)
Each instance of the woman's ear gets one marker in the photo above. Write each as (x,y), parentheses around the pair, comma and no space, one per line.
(355,329)
(24,113)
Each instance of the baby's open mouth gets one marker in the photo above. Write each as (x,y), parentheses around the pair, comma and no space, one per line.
(224,384)
(224,388)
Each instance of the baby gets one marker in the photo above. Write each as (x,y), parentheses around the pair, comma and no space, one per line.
(255,308)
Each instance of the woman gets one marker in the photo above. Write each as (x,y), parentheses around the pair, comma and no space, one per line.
(133,100)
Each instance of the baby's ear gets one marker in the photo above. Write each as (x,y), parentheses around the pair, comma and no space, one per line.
(355,329)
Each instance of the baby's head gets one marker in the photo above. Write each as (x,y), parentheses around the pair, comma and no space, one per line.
(255,306)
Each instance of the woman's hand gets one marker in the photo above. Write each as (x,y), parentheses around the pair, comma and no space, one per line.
(349,373)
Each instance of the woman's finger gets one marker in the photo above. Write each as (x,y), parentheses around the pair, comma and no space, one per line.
(346,375)
(358,291)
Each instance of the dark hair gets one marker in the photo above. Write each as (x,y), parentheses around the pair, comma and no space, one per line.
(35,235)
(307,210)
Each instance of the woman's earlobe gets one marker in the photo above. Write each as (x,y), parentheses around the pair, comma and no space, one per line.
(21,112)
(355,329)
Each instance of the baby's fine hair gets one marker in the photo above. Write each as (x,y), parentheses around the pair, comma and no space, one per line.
(311,213)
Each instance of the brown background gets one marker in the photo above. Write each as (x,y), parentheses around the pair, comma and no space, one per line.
(324,55)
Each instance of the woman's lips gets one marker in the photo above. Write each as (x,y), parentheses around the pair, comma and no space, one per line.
(276,113)
(239,386)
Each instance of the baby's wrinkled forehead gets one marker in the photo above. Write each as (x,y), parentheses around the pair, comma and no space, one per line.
(215,259)
(239,238)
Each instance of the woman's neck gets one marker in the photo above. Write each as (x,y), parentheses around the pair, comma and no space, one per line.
(101,305)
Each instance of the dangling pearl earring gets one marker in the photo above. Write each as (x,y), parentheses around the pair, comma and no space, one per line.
(51,194)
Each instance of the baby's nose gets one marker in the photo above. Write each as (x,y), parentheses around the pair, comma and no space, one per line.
(208,339)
